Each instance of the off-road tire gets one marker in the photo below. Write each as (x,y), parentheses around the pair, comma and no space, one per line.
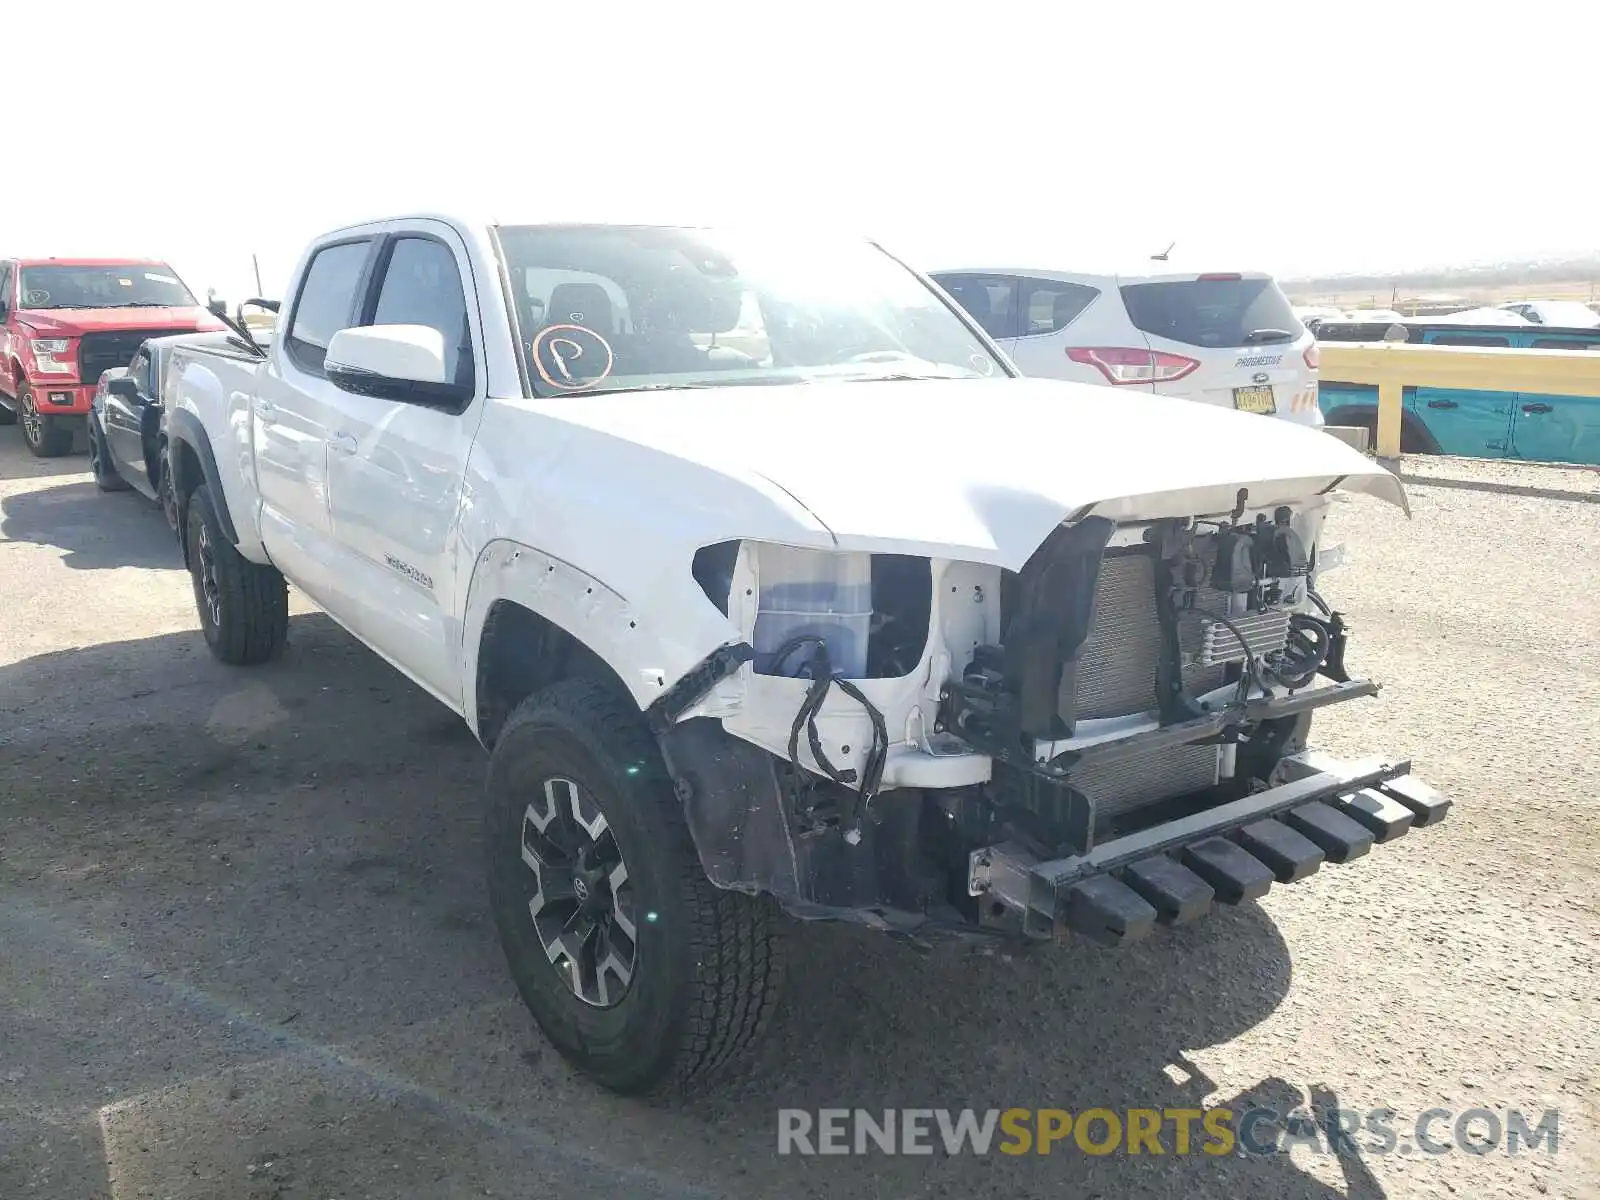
(251,602)
(44,435)
(100,466)
(165,494)
(708,965)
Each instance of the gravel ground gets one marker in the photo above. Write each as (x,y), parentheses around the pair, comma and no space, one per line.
(244,949)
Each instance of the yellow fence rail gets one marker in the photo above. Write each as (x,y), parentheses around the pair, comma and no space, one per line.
(1392,366)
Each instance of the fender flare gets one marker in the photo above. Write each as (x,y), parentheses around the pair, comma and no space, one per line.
(184,428)
(621,634)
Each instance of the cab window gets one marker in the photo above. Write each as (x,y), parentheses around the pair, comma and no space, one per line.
(139,372)
(326,302)
(422,286)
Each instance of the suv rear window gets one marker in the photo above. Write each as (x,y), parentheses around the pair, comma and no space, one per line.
(1213,312)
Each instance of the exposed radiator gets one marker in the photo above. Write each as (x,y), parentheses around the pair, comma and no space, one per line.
(1117,787)
(1116,676)
(1117,666)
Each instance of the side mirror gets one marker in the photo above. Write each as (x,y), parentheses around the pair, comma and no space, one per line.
(394,362)
(123,385)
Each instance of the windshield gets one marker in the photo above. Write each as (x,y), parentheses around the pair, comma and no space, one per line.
(145,286)
(604,308)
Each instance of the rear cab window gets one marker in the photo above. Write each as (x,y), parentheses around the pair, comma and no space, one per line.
(326,303)
(1213,311)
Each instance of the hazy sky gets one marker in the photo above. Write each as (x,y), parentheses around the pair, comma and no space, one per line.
(1291,136)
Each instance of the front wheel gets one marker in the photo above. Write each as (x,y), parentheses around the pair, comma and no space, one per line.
(100,464)
(244,607)
(45,436)
(637,969)
(164,490)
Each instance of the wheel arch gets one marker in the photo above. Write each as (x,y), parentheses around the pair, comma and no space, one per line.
(531,620)
(521,652)
(194,463)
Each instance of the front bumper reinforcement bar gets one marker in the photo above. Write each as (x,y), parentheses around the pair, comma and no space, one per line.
(1325,811)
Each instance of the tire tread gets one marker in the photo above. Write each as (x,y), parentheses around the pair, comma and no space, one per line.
(257,593)
(738,940)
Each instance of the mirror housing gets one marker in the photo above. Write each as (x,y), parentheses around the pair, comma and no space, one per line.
(123,385)
(394,362)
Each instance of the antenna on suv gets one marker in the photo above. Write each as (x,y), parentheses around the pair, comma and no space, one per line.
(1162,257)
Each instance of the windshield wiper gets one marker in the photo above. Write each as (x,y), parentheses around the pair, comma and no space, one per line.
(692,385)
(1267,335)
(144,304)
(901,376)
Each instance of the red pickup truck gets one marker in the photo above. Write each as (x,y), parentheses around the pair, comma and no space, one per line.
(65,320)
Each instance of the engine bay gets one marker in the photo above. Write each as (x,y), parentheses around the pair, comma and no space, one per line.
(1126,676)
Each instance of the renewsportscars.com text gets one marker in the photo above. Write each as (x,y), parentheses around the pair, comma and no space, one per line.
(1153,1131)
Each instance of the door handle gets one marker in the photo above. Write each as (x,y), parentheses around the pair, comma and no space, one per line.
(342,443)
(1443,404)
(1535,409)
(266,409)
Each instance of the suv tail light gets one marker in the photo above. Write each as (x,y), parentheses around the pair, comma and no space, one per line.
(1312,356)
(1122,365)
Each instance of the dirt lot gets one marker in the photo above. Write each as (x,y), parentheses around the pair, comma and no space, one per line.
(244,949)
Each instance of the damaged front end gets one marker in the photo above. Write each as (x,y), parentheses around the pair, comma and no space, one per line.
(1109,738)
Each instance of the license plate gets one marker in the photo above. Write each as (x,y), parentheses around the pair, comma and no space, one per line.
(1254,399)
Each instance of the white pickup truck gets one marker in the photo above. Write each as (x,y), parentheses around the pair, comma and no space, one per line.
(838,616)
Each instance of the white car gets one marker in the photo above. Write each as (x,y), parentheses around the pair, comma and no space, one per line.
(851,622)
(1228,338)
(1569,314)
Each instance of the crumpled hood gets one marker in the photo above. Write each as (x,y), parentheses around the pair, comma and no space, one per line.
(75,322)
(982,469)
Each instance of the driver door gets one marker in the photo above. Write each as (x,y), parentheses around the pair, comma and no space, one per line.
(395,468)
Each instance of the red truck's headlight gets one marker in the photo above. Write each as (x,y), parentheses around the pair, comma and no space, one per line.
(50,356)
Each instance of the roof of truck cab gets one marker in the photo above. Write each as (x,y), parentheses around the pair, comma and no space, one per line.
(623,217)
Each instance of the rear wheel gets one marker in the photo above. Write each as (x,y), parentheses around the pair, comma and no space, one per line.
(44,435)
(100,465)
(243,606)
(637,969)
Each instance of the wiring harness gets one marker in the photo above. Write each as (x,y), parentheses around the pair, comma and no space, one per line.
(858,791)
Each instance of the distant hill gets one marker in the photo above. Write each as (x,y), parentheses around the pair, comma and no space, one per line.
(1480,276)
